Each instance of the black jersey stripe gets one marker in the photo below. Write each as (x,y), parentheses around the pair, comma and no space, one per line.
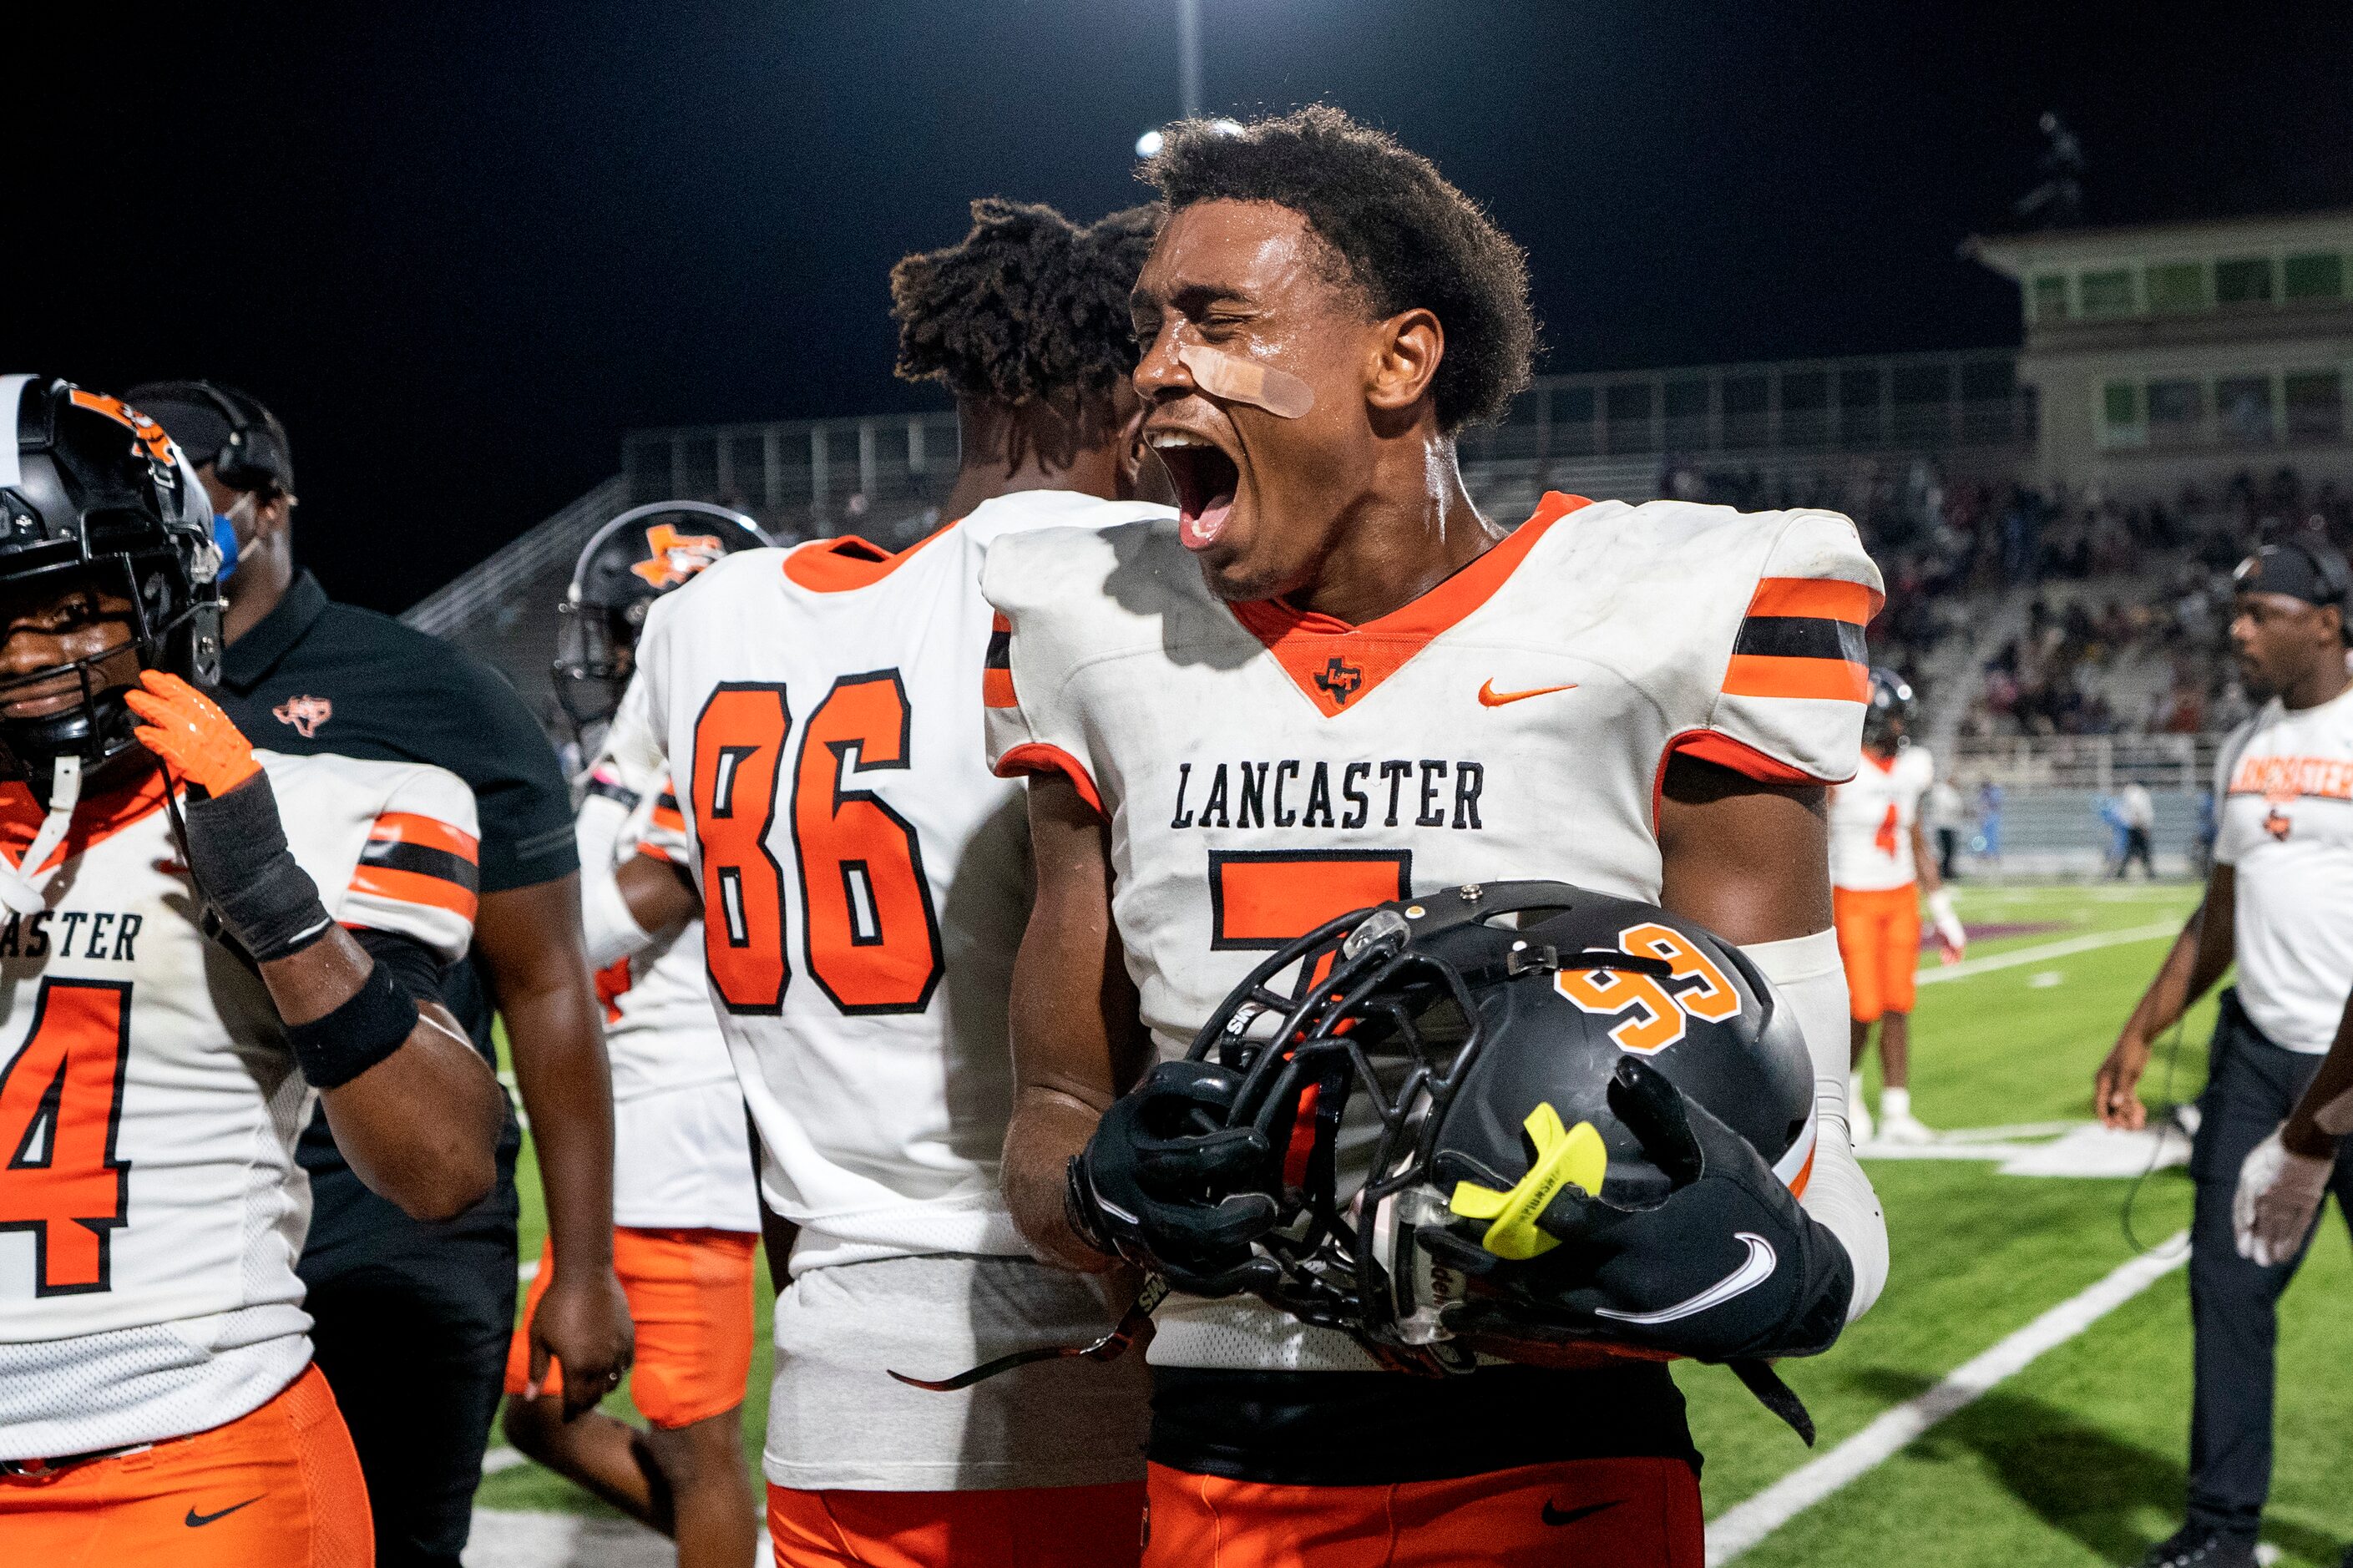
(423,860)
(1795,637)
(612,791)
(1000,649)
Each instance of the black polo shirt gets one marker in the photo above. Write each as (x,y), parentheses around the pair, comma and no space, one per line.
(315,676)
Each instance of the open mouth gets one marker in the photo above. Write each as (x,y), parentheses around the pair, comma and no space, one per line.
(1206,479)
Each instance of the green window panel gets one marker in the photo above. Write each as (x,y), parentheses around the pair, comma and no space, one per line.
(2315,405)
(2243,281)
(2318,276)
(2177,411)
(2050,297)
(2108,293)
(2120,403)
(2177,286)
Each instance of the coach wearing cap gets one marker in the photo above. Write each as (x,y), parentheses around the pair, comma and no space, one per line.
(412,1320)
(2279,902)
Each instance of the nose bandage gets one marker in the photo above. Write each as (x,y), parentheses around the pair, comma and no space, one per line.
(1233,379)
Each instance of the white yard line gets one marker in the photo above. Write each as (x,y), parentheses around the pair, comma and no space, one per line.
(1744,1524)
(2074,944)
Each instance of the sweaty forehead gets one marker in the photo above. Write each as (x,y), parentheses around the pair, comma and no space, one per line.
(1259,251)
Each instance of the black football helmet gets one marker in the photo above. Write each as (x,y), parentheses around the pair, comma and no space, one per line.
(1379,1145)
(1887,718)
(629,563)
(92,488)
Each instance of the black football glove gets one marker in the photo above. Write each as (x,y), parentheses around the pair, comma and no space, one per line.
(1726,1267)
(1166,1184)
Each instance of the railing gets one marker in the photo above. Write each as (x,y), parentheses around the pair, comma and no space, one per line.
(2099,764)
(460,605)
(824,475)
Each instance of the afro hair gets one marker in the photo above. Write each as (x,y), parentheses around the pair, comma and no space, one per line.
(1029,308)
(1407,238)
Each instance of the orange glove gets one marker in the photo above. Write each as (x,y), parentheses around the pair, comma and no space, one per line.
(189,731)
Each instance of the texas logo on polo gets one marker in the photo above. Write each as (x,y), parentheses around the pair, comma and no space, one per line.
(305,714)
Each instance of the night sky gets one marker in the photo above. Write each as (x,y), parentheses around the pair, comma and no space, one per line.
(461,248)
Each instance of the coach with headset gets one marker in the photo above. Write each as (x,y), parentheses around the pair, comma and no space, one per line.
(2279,902)
(413,1319)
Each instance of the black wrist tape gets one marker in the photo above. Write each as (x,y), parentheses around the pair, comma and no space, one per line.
(236,848)
(369,1027)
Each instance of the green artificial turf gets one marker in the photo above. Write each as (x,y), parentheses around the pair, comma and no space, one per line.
(2079,1458)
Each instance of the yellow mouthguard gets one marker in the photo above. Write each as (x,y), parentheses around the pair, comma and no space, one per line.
(1575,1155)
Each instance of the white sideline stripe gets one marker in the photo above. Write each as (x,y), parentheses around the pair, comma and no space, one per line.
(527,1270)
(1744,1524)
(2091,943)
(501,1458)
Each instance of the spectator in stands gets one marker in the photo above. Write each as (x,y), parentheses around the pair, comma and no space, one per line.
(1988,841)
(412,1318)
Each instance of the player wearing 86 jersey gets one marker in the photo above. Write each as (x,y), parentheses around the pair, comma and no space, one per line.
(1880,871)
(862,882)
(191,950)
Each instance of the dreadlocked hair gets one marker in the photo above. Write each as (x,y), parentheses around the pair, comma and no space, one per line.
(1029,308)
(1398,231)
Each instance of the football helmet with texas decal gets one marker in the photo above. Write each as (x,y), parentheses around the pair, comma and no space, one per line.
(627,564)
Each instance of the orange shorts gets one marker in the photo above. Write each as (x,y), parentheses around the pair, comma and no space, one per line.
(1879,941)
(1625,1513)
(1026,1527)
(279,1485)
(691,1296)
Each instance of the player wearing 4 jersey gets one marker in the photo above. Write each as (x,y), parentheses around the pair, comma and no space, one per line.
(198,937)
(863,880)
(1329,683)
(685,1214)
(1881,868)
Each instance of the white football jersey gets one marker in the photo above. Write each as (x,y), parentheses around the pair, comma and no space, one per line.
(865,877)
(1872,817)
(2285,782)
(152,1213)
(1265,770)
(680,1158)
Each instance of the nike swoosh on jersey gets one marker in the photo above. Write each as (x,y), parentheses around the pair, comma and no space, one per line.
(1754,1271)
(1490,697)
(1571,1515)
(199,1521)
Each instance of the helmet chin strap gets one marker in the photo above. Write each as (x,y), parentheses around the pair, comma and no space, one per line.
(17,892)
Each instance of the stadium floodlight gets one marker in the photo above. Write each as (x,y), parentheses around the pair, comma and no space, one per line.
(1148,144)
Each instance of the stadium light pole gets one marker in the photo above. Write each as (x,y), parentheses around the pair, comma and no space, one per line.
(1189,57)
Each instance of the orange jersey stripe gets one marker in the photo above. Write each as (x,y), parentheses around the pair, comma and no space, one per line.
(997,688)
(1818,598)
(413,888)
(1761,675)
(408,827)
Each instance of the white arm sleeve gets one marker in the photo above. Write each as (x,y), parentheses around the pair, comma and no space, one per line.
(1806,974)
(610,931)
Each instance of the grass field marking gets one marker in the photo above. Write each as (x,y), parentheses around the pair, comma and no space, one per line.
(1969,968)
(1744,1524)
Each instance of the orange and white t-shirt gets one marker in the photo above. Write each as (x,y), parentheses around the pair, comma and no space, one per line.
(1871,818)
(2285,782)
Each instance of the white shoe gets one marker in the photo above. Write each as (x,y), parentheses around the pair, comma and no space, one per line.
(1858,1121)
(1905,1129)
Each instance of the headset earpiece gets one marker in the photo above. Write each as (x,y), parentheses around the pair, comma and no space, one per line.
(249,459)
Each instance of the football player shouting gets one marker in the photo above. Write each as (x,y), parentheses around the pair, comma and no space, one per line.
(864,881)
(199,936)
(1329,682)
(685,1214)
